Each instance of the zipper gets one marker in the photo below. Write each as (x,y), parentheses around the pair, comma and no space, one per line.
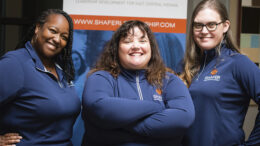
(202,67)
(59,83)
(138,87)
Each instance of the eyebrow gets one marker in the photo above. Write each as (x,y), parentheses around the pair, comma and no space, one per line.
(58,29)
(206,23)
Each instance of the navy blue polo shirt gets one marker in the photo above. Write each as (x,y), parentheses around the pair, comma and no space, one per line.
(33,103)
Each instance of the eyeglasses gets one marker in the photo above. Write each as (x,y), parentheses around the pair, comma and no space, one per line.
(211,26)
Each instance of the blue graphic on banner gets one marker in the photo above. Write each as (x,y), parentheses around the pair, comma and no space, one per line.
(88,44)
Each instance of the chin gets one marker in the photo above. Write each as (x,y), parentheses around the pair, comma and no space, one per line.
(207,47)
(135,67)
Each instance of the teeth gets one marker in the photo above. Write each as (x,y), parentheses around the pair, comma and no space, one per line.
(53,45)
(136,54)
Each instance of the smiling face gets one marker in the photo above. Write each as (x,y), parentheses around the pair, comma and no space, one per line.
(134,50)
(52,36)
(205,39)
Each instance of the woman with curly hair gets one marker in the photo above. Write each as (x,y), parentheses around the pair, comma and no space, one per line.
(130,97)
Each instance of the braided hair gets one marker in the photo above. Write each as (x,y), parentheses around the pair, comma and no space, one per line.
(64,58)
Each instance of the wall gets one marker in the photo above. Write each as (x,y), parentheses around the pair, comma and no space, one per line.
(12,31)
(234,18)
(19,15)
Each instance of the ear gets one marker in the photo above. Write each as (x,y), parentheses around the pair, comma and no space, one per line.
(37,28)
(226,25)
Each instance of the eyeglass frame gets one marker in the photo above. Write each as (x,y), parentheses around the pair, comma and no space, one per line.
(205,25)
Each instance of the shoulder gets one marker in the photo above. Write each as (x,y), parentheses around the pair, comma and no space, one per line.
(234,56)
(239,58)
(13,65)
(241,61)
(235,59)
(16,55)
(174,85)
(242,67)
(171,77)
(100,79)
(101,74)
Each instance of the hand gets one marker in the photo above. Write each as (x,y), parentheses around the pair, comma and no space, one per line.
(10,139)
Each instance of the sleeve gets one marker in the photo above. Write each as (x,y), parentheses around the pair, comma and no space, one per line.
(11,77)
(110,112)
(175,119)
(248,75)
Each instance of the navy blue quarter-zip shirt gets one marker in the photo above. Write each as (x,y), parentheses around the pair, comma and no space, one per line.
(127,110)
(33,102)
(221,92)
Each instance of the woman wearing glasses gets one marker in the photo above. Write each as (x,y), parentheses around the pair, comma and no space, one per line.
(220,79)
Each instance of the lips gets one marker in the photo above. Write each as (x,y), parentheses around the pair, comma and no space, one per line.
(136,54)
(52,45)
(204,38)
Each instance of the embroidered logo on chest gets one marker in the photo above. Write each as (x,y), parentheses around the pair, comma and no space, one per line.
(158,95)
(214,72)
(212,78)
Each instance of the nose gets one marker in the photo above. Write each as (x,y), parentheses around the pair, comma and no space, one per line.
(204,29)
(135,45)
(56,38)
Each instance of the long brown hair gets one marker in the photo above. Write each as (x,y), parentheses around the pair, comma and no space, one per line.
(193,54)
(109,59)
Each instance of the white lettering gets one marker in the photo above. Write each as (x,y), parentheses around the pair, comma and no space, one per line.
(212,78)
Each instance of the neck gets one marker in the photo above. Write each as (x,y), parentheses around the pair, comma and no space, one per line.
(48,63)
(50,66)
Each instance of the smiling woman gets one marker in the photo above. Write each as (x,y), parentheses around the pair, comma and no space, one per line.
(130,97)
(50,39)
(208,29)
(221,80)
(134,50)
(38,102)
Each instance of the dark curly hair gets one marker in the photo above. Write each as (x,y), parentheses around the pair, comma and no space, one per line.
(109,59)
(64,58)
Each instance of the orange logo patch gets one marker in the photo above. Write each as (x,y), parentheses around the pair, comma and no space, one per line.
(214,71)
(159,91)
